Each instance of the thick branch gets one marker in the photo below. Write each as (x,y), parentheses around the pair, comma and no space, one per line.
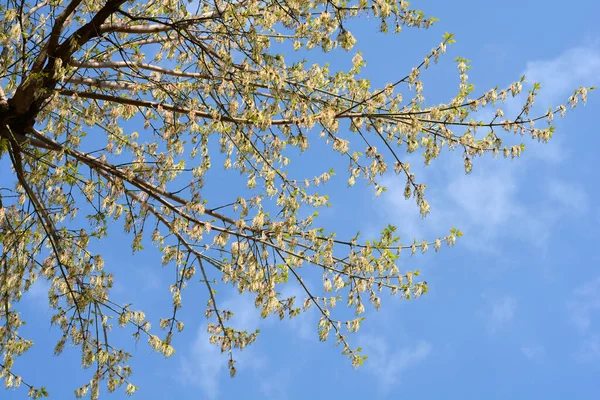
(219,117)
(102,84)
(36,8)
(57,29)
(32,92)
(134,65)
(47,224)
(126,28)
(157,106)
(158,26)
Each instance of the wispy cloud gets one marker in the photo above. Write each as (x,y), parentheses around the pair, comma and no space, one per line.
(276,384)
(387,363)
(570,196)
(487,199)
(585,304)
(484,205)
(561,75)
(499,312)
(204,366)
(304,326)
(150,280)
(533,351)
(590,349)
(38,294)
(487,202)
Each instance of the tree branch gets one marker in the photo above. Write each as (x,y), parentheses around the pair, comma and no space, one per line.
(50,47)
(158,26)
(76,80)
(134,65)
(32,92)
(46,223)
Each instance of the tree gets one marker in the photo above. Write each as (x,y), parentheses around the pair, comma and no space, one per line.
(186,76)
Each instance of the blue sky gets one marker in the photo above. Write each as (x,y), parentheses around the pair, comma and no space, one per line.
(513,309)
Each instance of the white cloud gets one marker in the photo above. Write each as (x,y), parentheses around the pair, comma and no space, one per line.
(561,75)
(150,280)
(584,304)
(553,152)
(305,324)
(488,199)
(39,290)
(275,385)
(245,314)
(405,214)
(533,351)
(570,196)
(204,366)
(484,205)
(499,312)
(590,349)
(584,310)
(38,293)
(387,363)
